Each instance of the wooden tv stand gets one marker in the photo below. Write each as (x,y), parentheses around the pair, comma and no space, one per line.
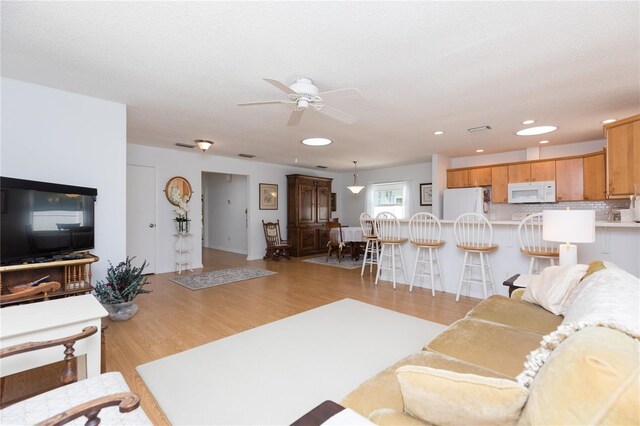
(74,275)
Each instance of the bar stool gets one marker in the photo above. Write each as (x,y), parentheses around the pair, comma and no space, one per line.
(474,235)
(532,244)
(372,249)
(388,229)
(424,232)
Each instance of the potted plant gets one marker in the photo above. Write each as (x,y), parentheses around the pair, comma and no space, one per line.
(121,286)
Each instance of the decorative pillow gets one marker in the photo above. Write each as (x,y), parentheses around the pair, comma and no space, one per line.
(552,287)
(599,265)
(609,296)
(444,397)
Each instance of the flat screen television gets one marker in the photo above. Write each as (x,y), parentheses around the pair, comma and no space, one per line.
(41,221)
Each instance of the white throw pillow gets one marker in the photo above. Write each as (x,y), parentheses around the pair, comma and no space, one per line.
(610,296)
(552,287)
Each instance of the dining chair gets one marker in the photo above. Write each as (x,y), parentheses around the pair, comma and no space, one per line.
(388,230)
(336,242)
(425,231)
(372,248)
(532,244)
(474,235)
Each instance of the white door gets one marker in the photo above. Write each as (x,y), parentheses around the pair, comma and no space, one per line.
(141,215)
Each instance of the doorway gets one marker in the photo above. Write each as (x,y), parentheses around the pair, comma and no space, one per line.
(224,212)
(141,216)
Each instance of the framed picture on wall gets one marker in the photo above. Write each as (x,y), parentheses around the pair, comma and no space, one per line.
(426,194)
(333,202)
(268,196)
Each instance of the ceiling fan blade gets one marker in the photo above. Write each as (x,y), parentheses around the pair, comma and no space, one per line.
(286,89)
(344,93)
(337,114)
(264,103)
(295,117)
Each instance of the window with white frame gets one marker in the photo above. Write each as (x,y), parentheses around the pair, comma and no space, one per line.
(389,197)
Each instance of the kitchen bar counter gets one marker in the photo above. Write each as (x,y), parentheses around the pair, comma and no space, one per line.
(617,242)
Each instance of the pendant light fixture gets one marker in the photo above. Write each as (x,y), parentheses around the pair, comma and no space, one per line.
(355,188)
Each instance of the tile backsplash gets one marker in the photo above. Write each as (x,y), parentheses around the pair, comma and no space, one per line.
(511,211)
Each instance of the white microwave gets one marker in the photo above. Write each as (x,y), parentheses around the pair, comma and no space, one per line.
(532,192)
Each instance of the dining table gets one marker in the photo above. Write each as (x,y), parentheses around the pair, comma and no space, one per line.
(352,236)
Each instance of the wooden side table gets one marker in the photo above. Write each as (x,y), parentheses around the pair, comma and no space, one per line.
(511,283)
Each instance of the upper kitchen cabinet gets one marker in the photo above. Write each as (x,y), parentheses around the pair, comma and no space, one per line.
(595,179)
(543,171)
(569,180)
(480,177)
(457,178)
(499,184)
(623,156)
(519,172)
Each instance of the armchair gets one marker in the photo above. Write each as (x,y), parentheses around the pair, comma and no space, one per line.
(74,399)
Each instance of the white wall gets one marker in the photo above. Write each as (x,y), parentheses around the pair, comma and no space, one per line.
(61,137)
(225,220)
(190,165)
(354,204)
(546,151)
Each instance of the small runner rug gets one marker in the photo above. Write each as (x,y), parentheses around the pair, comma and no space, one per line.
(274,373)
(222,276)
(345,263)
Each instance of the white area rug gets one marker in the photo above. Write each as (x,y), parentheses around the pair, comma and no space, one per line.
(346,262)
(275,373)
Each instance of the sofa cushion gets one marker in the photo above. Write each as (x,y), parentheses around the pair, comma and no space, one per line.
(383,390)
(516,313)
(590,378)
(389,417)
(444,397)
(493,346)
(553,286)
(609,296)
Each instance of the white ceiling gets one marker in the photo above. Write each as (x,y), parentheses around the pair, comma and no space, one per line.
(181,67)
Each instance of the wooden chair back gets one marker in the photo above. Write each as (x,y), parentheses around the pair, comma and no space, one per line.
(368,225)
(387,227)
(530,235)
(473,230)
(424,228)
(272,232)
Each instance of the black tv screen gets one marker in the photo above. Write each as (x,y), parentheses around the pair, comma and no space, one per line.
(41,220)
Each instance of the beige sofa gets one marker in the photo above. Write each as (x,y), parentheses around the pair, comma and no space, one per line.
(589,373)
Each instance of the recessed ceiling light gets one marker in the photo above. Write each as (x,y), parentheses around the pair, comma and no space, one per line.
(316,141)
(479,150)
(539,130)
(438,132)
(528,121)
(543,142)
(608,120)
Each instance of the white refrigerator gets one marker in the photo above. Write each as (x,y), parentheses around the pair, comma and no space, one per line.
(464,200)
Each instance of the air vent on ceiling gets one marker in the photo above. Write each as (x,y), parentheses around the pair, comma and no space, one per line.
(479,129)
(185,145)
(321,167)
(246,155)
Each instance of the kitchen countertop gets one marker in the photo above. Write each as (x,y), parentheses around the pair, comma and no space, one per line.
(600,224)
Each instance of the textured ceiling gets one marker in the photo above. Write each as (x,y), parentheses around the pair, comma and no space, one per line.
(181,68)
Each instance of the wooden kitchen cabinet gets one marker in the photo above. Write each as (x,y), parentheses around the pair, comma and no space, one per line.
(519,173)
(595,179)
(308,212)
(542,171)
(457,178)
(480,176)
(499,183)
(569,180)
(623,156)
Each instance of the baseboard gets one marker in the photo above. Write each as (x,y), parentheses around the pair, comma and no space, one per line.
(230,250)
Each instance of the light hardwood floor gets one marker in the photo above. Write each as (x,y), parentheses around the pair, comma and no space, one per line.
(173,318)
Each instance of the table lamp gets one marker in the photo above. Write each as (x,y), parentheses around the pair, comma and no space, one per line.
(569,226)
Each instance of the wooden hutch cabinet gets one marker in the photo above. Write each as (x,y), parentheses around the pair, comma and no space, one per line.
(308,211)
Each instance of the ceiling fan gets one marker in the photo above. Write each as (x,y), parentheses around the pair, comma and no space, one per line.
(304,94)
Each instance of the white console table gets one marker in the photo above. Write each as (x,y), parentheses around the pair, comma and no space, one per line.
(183,252)
(48,320)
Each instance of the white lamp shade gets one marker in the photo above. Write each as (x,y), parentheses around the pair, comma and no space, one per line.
(570,226)
(355,188)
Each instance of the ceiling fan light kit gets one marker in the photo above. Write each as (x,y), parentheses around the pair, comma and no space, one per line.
(355,188)
(304,94)
(203,144)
